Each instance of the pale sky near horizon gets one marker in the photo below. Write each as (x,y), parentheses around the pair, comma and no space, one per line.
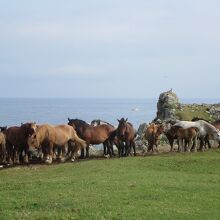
(95,48)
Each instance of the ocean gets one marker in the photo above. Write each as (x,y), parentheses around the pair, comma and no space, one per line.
(14,111)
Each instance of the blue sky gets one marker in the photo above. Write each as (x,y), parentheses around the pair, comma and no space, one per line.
(111,48)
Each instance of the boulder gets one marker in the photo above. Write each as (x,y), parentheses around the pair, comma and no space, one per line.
(166,106)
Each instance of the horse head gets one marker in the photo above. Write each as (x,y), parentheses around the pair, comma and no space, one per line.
(122,127)
(29,128)
(33,141)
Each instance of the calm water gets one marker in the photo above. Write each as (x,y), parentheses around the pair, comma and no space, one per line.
(56,111)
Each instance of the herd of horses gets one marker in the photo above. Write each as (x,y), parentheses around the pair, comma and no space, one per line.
(62,142)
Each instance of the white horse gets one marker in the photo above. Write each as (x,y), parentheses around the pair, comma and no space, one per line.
(204,127)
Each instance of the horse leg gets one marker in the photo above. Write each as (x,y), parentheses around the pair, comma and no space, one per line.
(26,150)
(82,154)
(87,151)
(50,156)
(104,149)
(190,144)
(180,145)
(119,146)
(201,144)
(3,152)
(112,148)
(122,149)
(171,144)
(63,153)
(127,148)
(195,144)
(208,142)
(134,148)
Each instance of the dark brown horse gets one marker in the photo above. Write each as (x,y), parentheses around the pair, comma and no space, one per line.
(126,135)
(92,135)
(16,141)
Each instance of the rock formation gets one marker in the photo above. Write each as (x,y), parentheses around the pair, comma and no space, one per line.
(166,106)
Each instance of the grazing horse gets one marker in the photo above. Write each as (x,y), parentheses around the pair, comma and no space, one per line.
(49,137)
(126,135)
(90,134)
(206,139)
(204,128)
(16,141)
(152,135)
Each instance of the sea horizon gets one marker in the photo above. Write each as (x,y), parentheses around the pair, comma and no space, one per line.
(56,110)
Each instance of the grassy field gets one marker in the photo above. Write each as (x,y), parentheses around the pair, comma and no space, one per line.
(166,186)
(189,112)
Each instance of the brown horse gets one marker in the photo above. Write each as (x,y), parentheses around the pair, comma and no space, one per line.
(126,135)
(92,135)
(171,135)
(49,137)
(16,141)
(188,137)
(152,135)
(112,139)
(2,148)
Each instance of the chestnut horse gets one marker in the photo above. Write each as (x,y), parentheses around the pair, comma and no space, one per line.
(152,135)
(187,138)
(49,137)
(92,135)
(126,135)
(16,141)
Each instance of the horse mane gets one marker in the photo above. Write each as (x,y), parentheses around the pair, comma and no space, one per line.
(3,128)
(78,121)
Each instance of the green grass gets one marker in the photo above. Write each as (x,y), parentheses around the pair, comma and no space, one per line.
(168,186)
(189,112)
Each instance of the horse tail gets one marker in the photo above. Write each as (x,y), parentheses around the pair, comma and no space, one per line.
(79,142)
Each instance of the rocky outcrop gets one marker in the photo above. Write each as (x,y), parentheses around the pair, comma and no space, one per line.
(170,109)
(166,106)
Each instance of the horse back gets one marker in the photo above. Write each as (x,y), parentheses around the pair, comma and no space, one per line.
(14,135)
